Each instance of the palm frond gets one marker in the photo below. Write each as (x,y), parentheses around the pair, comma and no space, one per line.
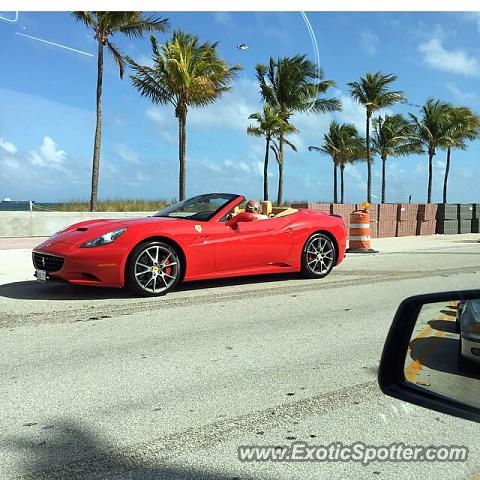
(372,91)
(290,144)
(185,73)
(117,56)
(144,23)
(86,18)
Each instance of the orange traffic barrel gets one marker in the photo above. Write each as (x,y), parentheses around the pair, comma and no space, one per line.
(359,235)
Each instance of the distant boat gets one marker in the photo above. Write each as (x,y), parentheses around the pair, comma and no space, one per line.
(242,46)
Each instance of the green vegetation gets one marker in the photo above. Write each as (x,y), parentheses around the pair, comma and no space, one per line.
(104,26)
(185,73)
(463,125)
(113,205)
(372,91)
(393,136)
(344,145)
(293,85)
(271,125)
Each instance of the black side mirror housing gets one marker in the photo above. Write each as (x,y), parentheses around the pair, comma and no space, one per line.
(421,337)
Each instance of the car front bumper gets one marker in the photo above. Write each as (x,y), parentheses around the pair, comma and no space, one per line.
(470,342)
(99,266)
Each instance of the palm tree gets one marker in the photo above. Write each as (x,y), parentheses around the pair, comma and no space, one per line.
(275,147)
(432,129)
(393,136)
(294,84)
(372,91)
(464,125)
(104,26)
(270,125)
(344,145)
(185,73)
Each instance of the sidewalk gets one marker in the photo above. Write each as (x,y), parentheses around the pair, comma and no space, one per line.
(424,242)
(18,243)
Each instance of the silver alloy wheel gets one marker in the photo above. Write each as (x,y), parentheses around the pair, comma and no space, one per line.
(320,255)
(156,269)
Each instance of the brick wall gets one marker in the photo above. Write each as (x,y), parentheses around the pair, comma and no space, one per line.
(409,219)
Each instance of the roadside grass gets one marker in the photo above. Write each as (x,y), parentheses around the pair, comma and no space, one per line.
(116,205)
(112,205)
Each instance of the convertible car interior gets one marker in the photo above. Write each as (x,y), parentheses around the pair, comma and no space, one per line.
(267,209)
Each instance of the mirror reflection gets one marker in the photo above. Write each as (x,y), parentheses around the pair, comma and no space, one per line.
(444,351)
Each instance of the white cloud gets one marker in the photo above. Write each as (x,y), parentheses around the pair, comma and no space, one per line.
(223,18)
(166,120)
(231,111)
(250,166)
(48,155)
(354,172)
(420,167)
(369,41)
(440,166)
(126,154)
(475,17)
(156,114)
(464,96)
(8,146)
(145,60)
(312,127)
(352,112)
(10,162)
(42,168)
(452,61)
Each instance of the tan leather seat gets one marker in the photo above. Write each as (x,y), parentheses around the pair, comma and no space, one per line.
(266,207)
(287,211)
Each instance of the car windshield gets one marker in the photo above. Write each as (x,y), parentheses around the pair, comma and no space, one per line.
(472,310)
(201,207)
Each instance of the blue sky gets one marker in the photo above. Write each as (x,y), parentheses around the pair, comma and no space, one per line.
(47,114)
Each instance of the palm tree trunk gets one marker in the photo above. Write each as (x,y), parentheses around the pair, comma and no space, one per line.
(384,162)
(335,194)
(430,174)
(445,180)
(342,190)
(280,171)
(98,132)
(369,160)
(182,139)
(265,170)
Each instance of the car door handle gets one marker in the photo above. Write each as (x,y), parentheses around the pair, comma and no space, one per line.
(288,230)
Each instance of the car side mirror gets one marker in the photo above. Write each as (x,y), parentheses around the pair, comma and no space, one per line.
(431,356)
(241,217)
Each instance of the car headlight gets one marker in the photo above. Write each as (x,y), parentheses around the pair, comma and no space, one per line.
(104,239)
(472,327)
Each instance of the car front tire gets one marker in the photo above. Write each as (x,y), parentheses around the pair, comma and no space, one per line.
(153,269)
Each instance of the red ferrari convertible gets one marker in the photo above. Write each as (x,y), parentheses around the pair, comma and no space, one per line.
(205,237)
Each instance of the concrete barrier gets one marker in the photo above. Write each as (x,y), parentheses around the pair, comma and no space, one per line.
(44,224)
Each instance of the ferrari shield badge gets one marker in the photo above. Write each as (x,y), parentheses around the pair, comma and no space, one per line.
(198,228)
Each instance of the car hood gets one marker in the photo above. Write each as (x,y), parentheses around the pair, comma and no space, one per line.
(90,229)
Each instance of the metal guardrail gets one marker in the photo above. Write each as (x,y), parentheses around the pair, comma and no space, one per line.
(26,206)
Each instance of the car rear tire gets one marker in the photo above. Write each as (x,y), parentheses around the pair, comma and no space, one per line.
(153,269)
(318,256)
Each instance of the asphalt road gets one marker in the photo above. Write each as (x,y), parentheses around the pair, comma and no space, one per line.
(97,384)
